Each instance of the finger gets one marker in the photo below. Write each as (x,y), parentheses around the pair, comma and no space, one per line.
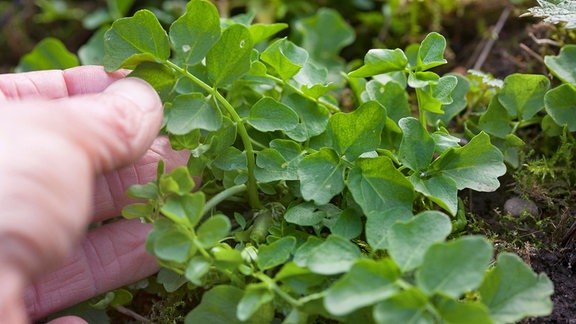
(68,320)
(110,189)
(111,256)
(54,84)
(46,199)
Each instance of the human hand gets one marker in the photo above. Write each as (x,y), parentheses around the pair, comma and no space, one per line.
(59,132)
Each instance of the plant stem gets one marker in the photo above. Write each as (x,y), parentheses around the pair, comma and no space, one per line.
(251,160)
(328,105)
(268,281)
(221,196)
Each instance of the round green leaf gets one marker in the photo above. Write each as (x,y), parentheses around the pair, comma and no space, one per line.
(196,269)
(195,32)
(407,306)
(304,214)
(477,165)
(185,209)
(417,147)
(285,58)
(562,65)
(48,54)
(190,112)
(359,131)
(321,176)
(218,306)
(255,297)
(409,241)
(560,104)
(268,115)
(213,230)
(330,256)
(229,58)
(173,245)
(431,51)
(512,291)
(377,185)
(275,253)
(138,210)
(452,268)
(523,94)
(135,39)
(379,61)
(366,283)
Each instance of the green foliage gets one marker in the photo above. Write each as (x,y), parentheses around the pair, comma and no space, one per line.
(50,53)
(306,212)
(556,11)
(312,174)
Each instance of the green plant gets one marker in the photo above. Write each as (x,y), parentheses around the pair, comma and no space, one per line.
(556,11)
(305,211)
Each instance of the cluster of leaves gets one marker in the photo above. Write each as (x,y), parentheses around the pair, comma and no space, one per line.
(341,221)
(556,11)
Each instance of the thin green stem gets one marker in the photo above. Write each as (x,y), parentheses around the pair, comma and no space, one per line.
(250,158)
(221,196)
(284,295)
(326,104)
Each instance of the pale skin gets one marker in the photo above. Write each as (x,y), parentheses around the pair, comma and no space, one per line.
(71,143)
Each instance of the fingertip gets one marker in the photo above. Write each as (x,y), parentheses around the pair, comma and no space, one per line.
(68,320)
(139,92)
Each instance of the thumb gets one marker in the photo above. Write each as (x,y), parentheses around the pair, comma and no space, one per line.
(48,166)
(118,125)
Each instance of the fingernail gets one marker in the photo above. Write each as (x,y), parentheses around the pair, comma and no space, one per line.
(137,91)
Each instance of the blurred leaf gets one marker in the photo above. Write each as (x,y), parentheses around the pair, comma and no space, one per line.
(324,44)
(48,54)
(212,230)
(330,256)
(185,209)
(196,269)
(255,296)
(218,306)
(512,291)
(275,253)
(304,214)
(366,283)
(562,65)
(406,306)
(560,104)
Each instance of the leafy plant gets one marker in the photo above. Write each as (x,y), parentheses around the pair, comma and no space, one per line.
(306,211)
(330,230)
(556,11)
